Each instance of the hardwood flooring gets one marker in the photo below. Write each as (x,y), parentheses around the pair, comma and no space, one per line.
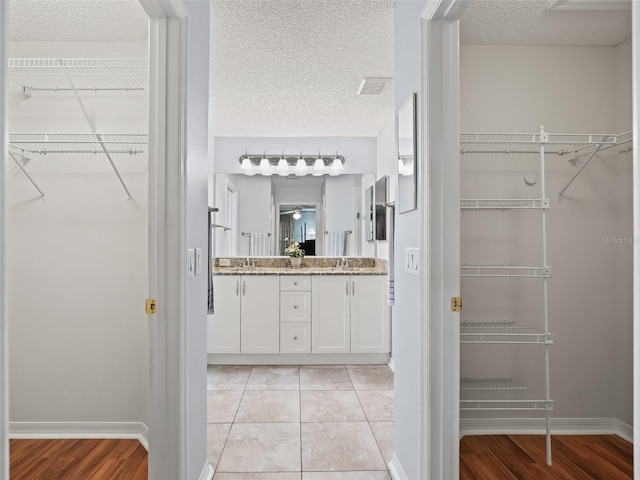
(522,457)
(78,459)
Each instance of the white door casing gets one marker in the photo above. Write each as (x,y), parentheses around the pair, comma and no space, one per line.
(439,203)
(4,321)
(177,416)
(636,233)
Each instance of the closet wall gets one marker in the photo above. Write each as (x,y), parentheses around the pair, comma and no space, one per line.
(78,263)
(514,89)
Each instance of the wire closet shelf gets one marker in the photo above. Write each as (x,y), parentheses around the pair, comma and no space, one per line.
(503,331)
(500,394)
(553,143)
(79,74)
(87,143)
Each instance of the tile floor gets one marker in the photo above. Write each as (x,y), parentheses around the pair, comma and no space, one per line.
(300,423)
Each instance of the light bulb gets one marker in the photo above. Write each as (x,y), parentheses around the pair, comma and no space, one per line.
(297,215)
(336,167)
(301,167)
(318,167)
(265,167)
(246,164)
(283,167)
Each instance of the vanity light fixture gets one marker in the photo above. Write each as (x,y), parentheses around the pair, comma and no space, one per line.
(290,165)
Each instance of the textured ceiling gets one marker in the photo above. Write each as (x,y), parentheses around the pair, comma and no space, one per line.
(77,20)
(528,22)
(292,67)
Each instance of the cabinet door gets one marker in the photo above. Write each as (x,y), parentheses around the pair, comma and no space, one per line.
(330,330)
(369,314)
(260,318)
(223,327)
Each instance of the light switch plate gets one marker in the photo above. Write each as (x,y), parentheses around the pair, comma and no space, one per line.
(412,261)
(198,261)
(192,261)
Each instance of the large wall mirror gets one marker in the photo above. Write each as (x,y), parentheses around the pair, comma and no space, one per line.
(407,155)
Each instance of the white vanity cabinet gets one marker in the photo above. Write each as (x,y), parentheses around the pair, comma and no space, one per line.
(246,315)
(223,327)
(350,314)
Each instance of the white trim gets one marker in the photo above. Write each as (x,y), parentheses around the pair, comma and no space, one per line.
(392,365)
(536,426)
(635,26)
(297,359)
(45,430)
(207,472)
(438,202)
(396,470)
(4,319)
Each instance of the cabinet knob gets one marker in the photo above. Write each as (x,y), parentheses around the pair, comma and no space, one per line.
(295,307)
(295,283)
(295,338)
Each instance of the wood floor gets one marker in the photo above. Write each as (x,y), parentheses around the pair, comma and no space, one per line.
(522,457)
(78,460)
(490,457)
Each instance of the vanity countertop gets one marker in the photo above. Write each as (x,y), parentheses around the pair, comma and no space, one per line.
(310,266)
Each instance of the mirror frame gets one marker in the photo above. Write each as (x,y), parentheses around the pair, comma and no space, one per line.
(369,209)
(408,184)
(381,198)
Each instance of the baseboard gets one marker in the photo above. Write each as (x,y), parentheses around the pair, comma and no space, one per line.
(536,426)
(46,430)
(396,470)
(392,365)
(297,358)
(207,472)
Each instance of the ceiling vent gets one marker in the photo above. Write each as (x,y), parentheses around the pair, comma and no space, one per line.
(589,5)
(373,85)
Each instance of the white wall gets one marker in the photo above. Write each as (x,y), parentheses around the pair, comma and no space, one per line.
(78,263)
(340,209)
(566,89)
(254,208)
(406,314)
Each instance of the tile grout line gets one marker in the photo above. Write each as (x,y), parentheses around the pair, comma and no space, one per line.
(231,426)
(300,416)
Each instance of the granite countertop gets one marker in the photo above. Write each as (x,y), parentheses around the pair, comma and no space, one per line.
(310,266)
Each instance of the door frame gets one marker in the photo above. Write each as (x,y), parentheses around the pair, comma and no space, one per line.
(4,320)
(439,203)
(635,26)
(170,411)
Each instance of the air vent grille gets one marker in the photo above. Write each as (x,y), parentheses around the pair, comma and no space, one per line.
(373,85)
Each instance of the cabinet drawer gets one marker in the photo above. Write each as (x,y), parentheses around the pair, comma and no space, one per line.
(295,283)
(295,338)
(295,307)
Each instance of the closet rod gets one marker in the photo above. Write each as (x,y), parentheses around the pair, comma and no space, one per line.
(98,137)
(28,176)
